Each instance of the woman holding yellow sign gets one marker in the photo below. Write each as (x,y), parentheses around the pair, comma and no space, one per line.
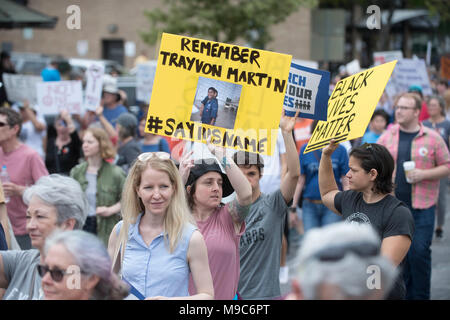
(369,201)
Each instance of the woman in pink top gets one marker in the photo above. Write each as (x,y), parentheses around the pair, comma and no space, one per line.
(221,225)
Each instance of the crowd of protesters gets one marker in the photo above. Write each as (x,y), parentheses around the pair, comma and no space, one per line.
(160,223)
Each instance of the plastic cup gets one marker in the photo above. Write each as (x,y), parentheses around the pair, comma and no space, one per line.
(408,166)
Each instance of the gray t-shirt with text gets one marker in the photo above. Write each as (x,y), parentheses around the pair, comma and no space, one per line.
(260,248)
(21,274)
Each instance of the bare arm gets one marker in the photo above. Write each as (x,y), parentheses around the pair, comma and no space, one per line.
(395,248)
(240,206)
(65,115)
(290,179)
(39,126)
(327,183)
(298,189)
(436,173)
(108,211)
(105,123)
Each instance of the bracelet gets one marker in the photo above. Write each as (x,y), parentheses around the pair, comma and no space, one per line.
(224,162)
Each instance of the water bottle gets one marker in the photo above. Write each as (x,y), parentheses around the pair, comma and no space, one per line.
(5,178)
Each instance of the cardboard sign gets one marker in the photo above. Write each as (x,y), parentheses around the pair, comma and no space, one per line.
(94,84)
(55,96)
(351,106)
(307,91)
(353,67)
(410,72)
(382,57)
(144,80)
(20,87)
(239,112)
(445,67)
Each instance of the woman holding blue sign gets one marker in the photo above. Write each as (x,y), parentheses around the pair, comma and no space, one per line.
(163,247)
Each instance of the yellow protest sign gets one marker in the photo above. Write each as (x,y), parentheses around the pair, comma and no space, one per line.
(210,89)
(351,106)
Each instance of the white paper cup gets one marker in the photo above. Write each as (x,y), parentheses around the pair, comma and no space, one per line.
(408,166)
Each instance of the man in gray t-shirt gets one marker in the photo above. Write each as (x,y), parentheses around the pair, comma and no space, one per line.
(260,245)
(24,282)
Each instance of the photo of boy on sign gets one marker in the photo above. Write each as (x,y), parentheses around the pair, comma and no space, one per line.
(215,110)
(209,107)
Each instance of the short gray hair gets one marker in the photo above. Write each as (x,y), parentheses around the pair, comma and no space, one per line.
(351,273)
(64,193)
(90,255)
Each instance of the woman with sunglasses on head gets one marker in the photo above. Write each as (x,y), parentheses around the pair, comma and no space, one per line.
(54,202)
(63,151)
(221,225)
(369,201)
(101,181)
(77,267)
(157,245)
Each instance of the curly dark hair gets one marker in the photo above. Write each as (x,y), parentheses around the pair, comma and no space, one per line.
(375,156)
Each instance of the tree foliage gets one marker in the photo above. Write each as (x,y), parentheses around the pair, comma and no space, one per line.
(221,20)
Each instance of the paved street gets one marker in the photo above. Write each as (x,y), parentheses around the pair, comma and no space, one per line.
(440,276)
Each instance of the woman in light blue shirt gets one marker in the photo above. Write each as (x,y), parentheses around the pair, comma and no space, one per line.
(162,244)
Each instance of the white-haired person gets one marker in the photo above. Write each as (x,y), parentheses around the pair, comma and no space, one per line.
(77,266)
(342,261)
(157,245)
(54,202)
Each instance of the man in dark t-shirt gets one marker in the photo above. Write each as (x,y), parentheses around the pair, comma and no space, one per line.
(369,201)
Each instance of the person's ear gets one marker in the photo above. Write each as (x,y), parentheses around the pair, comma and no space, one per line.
(188,189)
(69,224)
(373,174)
(91,282)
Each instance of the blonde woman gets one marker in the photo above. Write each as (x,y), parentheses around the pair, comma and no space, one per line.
(101,181)
(162,244)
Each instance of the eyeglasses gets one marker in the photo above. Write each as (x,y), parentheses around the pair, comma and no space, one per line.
(56,274)
(403,108)
(147,155)
(335,253)
(2,124)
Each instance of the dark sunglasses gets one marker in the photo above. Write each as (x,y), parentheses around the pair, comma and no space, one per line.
(56,274)
(2,124)
(336,253)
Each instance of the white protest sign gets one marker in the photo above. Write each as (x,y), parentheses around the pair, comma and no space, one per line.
(144,80)
(54,96)
(353,67)
(410,72)
(94,83)
(20,87)
(382,57)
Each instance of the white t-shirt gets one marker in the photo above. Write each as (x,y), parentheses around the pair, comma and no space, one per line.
(33,138)
(271,179)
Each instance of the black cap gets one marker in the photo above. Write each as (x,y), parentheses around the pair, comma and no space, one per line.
(206,166)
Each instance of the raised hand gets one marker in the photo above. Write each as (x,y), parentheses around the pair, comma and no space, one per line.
(288,123)
(186,163)
(328,150)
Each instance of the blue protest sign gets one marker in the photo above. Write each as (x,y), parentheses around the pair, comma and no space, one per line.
(307,91)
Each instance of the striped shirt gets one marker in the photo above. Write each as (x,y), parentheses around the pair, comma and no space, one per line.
(428,150)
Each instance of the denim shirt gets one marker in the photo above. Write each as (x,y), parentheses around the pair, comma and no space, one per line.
(152,270)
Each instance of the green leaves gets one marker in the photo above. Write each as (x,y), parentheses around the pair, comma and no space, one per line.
(221,20)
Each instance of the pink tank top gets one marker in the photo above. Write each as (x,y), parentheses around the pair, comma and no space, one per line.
(222,243)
